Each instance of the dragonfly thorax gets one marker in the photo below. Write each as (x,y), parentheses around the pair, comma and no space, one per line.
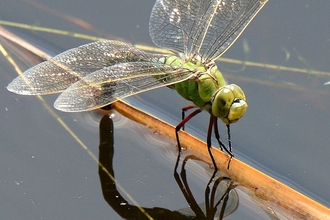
(229,103)
(207,88)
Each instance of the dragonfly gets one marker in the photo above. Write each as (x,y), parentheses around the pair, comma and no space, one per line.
(97,74)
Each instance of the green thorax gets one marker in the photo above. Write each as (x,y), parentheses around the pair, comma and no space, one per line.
(198,89)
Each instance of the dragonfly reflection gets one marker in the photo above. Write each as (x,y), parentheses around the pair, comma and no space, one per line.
(221,201)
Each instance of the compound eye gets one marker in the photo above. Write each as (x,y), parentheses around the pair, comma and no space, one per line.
(229,103)
(238,92)
(222,102)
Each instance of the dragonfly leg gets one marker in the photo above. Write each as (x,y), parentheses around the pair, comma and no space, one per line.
(230,147)
(178,128)
(182,123)
(217,136)
(184,109)
(208,140)
(229,138)
(222,146)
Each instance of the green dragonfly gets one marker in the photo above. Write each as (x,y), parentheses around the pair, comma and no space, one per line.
(198,31)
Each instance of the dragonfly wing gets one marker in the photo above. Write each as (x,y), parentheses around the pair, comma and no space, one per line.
(58,73)
(116,82)
(169,27)
(205,28)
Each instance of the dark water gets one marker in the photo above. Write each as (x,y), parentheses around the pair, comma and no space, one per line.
(46,174)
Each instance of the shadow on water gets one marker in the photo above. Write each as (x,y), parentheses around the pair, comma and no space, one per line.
(220,201)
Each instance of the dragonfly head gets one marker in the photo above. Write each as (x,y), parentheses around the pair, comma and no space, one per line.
(229,103)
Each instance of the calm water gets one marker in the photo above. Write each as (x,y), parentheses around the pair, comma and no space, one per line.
(46,174)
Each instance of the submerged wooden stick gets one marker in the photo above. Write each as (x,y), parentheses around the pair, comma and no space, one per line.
(263,186)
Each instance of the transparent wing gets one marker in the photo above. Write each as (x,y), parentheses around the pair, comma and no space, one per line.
(201,28)
(58,73)
(117,82)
